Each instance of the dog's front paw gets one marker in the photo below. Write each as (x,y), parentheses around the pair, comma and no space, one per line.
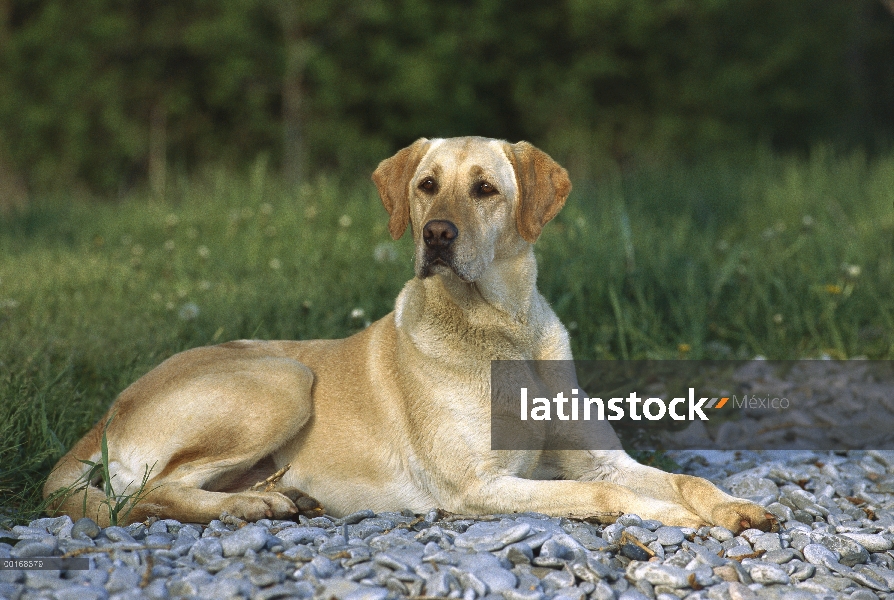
(741,515)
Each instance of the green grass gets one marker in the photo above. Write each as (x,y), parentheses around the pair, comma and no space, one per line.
(783,257)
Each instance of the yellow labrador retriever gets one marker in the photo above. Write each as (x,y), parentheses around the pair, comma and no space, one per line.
(396,416)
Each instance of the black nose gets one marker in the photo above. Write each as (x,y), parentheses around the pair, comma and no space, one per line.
(439,234)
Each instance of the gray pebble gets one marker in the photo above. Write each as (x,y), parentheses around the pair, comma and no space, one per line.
(519,553)
(850,551)
(301,535)
(121,579)
(535,595)
(767,542)
(869,580)
(438,584)
(262,576)
(118,534)
(588,537)
(25,532)
(803,516)
(630,519)
(355,518)
(641,533)
(800,571)
(206,550)
(704,555)
(819,555)
(569,593)
(754,488)
(669,536)
(657,574)
(137,531)
(781,511)
(158,527)
(721,534)
(58,526)
(781,556)
(85,526)
(600,591)
(489,536)
(767,573)
(159,539)
(469,581)
(634,552)
(498,580)
(303,553)
(555,580)
(739,552)
(633,594)
(612,533)
(250,537)
(367,593)
(30,549)
(883,573)
(557,549)
(873,542)
(156,590)
(86,592)
(225,587)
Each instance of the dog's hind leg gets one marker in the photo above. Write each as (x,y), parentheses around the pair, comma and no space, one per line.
(198,423)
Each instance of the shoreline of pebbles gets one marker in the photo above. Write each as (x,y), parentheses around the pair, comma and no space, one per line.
(836,512)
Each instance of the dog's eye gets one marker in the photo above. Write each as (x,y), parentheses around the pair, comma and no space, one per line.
(427,184)
(486,189)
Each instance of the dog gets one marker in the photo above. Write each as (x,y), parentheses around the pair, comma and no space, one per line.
(397,415)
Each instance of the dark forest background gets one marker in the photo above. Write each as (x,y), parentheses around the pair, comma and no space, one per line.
(106,95)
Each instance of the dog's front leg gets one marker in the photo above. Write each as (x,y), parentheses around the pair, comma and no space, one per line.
(507,494)
(695,494)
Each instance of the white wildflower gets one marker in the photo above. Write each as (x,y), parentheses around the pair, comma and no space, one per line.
(188,312)
(385,252)
(852,271)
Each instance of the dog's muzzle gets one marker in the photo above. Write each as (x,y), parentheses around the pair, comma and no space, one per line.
(438,236)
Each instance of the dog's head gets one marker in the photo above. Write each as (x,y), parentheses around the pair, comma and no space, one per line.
(469,200)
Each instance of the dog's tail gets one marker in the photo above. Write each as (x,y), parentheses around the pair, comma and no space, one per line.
(69,489)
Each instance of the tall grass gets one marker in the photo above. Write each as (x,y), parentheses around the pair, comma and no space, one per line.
(782,257)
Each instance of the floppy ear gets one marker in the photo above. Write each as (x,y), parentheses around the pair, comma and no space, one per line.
(392,178)
(543,187)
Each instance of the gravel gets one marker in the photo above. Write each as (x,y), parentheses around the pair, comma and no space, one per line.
(837,532)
